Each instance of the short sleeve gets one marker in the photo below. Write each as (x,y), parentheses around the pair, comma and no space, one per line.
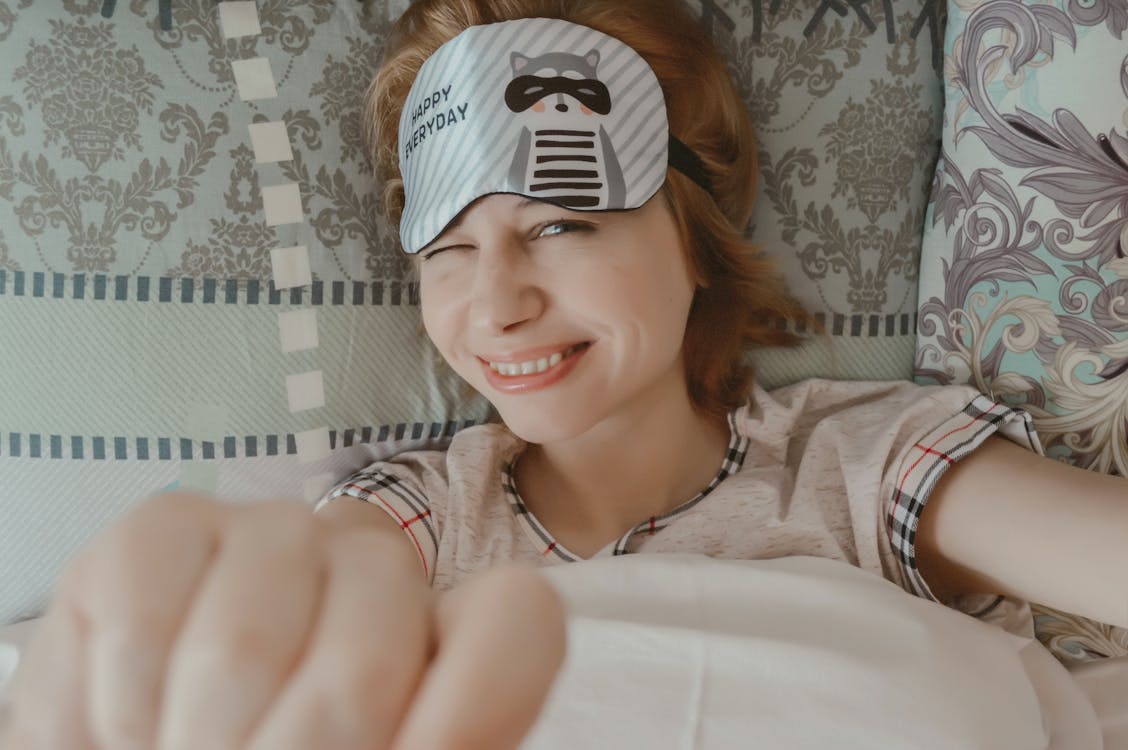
(973,418)
(411,489)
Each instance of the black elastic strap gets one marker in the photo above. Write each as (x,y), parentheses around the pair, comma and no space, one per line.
(688,163)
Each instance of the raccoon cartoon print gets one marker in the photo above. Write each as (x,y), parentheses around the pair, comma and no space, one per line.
(563,153)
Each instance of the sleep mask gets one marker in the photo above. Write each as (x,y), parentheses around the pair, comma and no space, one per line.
(538,107)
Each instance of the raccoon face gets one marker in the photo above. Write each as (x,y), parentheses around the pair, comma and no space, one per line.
(564,81)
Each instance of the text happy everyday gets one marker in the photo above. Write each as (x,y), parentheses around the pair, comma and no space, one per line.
(441,115)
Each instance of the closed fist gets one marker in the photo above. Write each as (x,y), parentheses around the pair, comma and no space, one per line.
(194,623)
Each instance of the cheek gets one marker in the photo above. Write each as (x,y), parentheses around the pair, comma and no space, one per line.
(539,106)
(655,304)
(438,319)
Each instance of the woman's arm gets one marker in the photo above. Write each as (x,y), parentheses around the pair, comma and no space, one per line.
(1005,520)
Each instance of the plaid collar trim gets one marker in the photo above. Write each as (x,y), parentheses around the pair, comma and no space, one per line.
(551,549)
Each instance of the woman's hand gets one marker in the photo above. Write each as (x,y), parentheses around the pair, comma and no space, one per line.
(198,624)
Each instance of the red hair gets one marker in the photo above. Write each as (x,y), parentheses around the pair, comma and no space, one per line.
(740,300)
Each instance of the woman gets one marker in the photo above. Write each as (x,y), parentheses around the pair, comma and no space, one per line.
(572,183)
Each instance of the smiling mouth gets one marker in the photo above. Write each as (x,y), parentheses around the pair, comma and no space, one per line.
(538,366)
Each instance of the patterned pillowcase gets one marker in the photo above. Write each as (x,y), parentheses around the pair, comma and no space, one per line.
(174,312)
(1024,281)
(846,100)
(197,288)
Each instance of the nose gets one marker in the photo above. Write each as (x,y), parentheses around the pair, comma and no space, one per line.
(561,106)
(504,293)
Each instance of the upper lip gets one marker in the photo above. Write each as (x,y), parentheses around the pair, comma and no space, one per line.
(529,355)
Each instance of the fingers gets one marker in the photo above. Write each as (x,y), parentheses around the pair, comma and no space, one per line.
(61,704)
(246,631)
(366,654)
(195,624)
(501,644)
(41,695)
(147,572)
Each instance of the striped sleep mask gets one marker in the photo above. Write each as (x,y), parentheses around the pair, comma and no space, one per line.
(537,107)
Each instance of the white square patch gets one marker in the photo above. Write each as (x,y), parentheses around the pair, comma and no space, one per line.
(282,204)
(254,79)
(313,445)
(290,266)
(271,142)
(298,330)
(239,19)
(305,391)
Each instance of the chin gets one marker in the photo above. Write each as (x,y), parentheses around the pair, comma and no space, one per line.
(543,427)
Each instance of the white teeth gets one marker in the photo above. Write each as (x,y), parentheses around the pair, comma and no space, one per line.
(533,366)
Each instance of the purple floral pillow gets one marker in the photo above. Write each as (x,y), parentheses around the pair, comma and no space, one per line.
(1024,279)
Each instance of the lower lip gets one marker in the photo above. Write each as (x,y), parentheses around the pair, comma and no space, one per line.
(536,381)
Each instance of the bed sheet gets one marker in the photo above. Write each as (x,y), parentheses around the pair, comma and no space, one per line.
(690,653)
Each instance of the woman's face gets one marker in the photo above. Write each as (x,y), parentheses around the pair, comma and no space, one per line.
(521,284)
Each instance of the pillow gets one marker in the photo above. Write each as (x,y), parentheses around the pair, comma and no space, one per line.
(1024,283)
(846,106)
(197,287)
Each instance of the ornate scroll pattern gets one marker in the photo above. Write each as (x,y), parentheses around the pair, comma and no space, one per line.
(1033,279)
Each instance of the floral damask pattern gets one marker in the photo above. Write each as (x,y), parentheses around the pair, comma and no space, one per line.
(872,142)
(843,173)
(286,25)
(7,21)
(341,199)
(352,212)
(94,209)
(91,91)
(814,62)
(1025,283)
(98,94)
(343,83)
(6,263)
(132,206)
(239,245)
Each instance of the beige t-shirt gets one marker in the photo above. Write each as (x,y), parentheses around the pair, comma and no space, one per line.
(827,468)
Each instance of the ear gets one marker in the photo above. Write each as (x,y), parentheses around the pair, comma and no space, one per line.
(592,58)
(518,62)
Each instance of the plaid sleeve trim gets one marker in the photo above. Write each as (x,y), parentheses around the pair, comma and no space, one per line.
(407,505)
(930,457)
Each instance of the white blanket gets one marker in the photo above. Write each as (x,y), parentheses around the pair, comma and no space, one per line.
(671,652)
(688,653)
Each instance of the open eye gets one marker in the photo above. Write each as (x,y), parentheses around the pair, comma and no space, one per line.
(563,226)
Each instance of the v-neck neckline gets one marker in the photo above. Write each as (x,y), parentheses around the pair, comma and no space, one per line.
(552,549)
